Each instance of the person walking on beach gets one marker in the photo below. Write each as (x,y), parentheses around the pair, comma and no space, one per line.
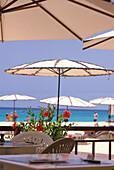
(95,117)
(7,117)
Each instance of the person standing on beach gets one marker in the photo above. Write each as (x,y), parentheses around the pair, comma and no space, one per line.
(7,117)
(11,117)
(27,119)
(15,115)
(95,117)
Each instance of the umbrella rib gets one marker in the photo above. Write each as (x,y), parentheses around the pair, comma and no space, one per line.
(102,101)
(50,69)
(66,71)
(1,27)
(10,3)
(86,68)
(70,100)
(61,23)
(15,96)
(88,72)
(82,102)
(94,9)
(24,6)
(37,71)
(57,61)
(92,45)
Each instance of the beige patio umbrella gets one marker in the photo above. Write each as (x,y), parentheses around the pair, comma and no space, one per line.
(54,19)
(64,68)
(14,97)
(105,101)
(67,101)
(102,41)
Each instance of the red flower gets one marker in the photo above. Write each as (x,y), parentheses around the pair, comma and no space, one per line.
(70,136)
(40,124)
(54,107)
(46,113)
(66,114)
(39,128)
(65,111)
(14,125)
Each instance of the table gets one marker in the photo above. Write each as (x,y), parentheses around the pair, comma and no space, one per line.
(72,162)
(15,147)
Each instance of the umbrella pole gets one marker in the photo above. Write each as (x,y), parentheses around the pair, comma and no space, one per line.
(110,112)
(14,105)
(109,117)
(58,94)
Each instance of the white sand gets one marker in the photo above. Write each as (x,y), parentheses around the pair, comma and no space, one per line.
(6,123)
(103,123)
(75,123)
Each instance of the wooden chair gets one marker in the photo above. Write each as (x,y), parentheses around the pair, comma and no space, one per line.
(63,145)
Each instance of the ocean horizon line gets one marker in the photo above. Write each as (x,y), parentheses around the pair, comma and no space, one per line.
(88,109)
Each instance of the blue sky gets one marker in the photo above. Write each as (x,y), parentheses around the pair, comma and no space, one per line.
(20,52)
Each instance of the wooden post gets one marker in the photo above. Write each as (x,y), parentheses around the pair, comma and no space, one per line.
(76,147)
(93,149)
(109,150)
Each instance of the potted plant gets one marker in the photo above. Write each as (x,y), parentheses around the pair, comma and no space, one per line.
(55,129)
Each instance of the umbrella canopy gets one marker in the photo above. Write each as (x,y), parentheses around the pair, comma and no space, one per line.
(68,101)
(64,68)
(15,97)
(105,101)
(54,19)
(103,41)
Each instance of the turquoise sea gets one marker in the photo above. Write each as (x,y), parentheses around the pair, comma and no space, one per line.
(78,115)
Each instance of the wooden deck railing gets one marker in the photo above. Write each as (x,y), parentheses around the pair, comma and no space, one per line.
(91,128)
(93,145)
(80,128)
(6,128)
(73,128)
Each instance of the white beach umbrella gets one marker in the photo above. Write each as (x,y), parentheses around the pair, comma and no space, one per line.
(67,101)
(103,41)
(15,97)
(54,19)
(64,68)
(105,101)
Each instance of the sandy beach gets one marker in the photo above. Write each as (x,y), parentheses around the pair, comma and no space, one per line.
(101,148)
(102,123)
